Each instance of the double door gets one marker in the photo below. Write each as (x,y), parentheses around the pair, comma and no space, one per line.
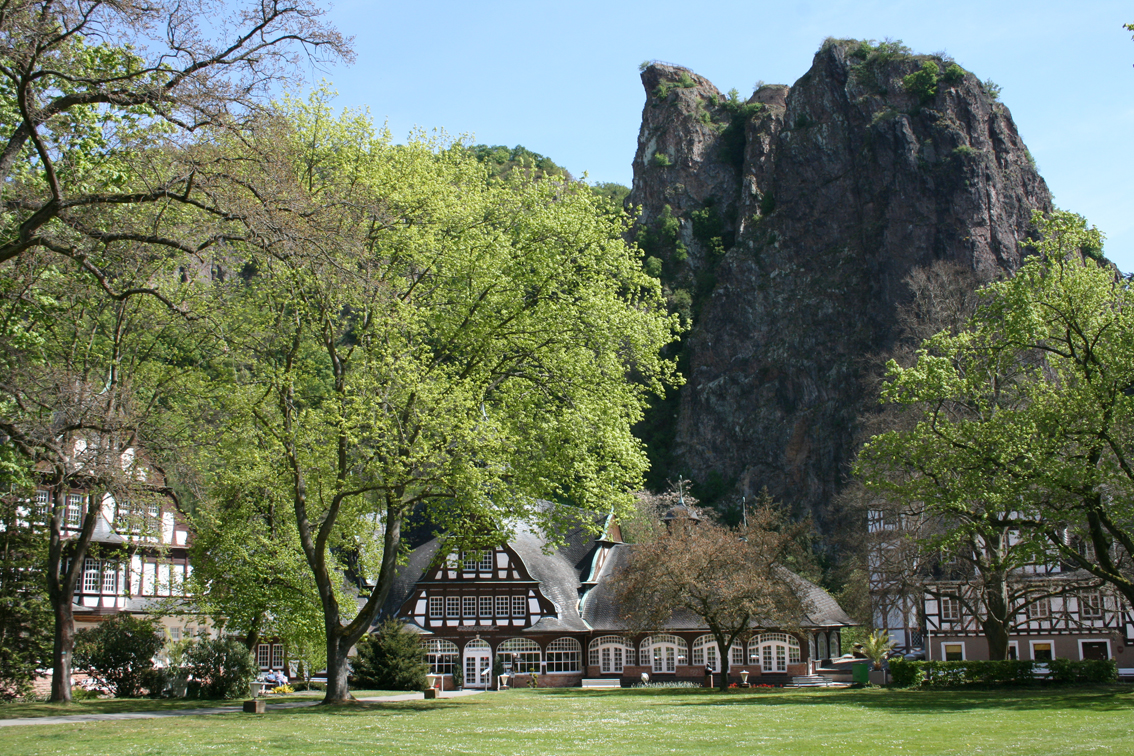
(478,666)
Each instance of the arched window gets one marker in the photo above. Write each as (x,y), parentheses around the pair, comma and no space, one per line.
(774,651)
(564,655)
(664,652)
(610,653)
(705,653)
(524,652)
(442,656)
(834,643)
(823,646)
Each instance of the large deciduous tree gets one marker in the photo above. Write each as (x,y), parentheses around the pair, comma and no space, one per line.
(446,340)
(732,579)
(101,100)
(1026,416)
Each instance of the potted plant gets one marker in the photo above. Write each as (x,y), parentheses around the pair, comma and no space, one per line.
(877,648)
(458,677)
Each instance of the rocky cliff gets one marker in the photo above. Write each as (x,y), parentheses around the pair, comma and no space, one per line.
(786,227)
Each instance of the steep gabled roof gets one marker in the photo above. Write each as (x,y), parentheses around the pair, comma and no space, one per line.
(559,569)
(601,610)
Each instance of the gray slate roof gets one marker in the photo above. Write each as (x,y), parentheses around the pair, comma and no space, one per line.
(559,570)
(601,610)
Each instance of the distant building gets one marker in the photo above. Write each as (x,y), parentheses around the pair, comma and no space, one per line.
(1061,612)
(551,611)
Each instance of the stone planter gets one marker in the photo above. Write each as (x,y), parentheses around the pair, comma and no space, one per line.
(879,677)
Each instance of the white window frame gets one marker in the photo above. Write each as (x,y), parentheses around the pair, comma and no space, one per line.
(277,656)
(468,607)
(442,655)
(503,605)
(1015,645)
(1085,600)
(1032,648)
(109,578)
(950,609)
(92,576)
(487,561)
(43,504)
(1040,609)
(519,606)
(264,655)
(964,651)
(1109,648)
(487,605)
(527,656)
(74,512)
(436,607)
(564,652)
(601,654)
(453,607)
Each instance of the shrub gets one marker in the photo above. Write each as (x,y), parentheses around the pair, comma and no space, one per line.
(1070,672)
(953,674)
(222,667)
(904,673)
(922,83)
(662,160)
(953,74)
(992,89)
(120,654)
(391,659)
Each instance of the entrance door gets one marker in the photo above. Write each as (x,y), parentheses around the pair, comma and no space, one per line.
(1095,650)
(478,664)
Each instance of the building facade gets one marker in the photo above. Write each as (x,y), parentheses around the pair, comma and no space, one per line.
(934,607)
(527,607)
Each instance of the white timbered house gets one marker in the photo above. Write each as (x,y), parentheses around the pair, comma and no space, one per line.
(535,608)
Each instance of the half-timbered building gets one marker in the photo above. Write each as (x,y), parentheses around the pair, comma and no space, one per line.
(545,609)
(1059,611)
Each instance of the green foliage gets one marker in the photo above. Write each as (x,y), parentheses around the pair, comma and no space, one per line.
(502,161)
(224,667)
(1024,418)
(643,66)
(653,267)
(992,89)
(613,193)
(954,74)
(904,673)
(661,160)
(391,659)
(25,616)
(1087,671)
(965,151)
(877,646)
(987,674)
(873,51)
(120,654)
(923,82)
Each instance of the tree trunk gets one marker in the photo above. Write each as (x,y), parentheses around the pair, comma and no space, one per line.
(338,670)
(996,621)
(61,656)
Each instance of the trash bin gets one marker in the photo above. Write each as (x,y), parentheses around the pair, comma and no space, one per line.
(860,673)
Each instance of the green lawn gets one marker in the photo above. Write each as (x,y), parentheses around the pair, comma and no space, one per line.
(629,723)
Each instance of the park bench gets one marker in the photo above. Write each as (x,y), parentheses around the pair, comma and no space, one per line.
(602,682)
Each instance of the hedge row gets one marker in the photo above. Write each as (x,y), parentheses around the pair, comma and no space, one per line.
(952,674)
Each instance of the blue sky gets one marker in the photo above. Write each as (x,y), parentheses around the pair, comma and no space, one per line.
(561,78)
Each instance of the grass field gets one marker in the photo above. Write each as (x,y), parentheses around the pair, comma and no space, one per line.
(628,723)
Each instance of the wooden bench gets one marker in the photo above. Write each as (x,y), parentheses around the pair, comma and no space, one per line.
(602,682)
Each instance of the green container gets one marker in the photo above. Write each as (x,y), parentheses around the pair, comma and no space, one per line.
(860,673)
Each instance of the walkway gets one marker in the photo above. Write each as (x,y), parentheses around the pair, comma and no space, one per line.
(76,718)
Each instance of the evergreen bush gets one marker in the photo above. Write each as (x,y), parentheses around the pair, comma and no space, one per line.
(222,667)
(391,659)
(119,653)
(955,674)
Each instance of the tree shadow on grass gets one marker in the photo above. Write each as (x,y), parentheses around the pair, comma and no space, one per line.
(364,708)
(1108,698)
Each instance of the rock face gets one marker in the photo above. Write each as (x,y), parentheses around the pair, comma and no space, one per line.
(827,195)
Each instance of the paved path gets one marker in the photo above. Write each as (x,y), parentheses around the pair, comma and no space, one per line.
(75,718)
